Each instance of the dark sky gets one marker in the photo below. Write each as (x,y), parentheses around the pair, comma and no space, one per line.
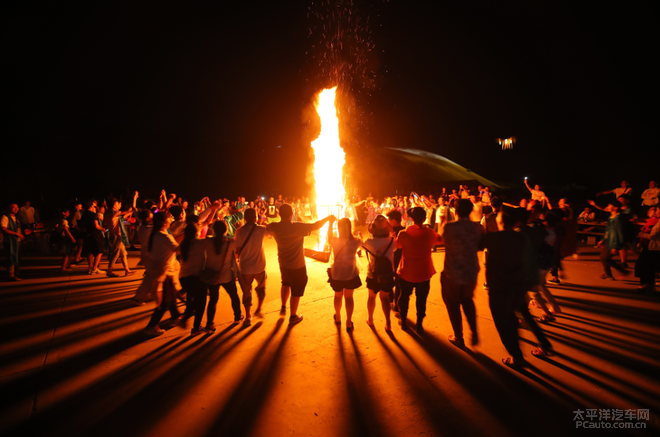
(111,96)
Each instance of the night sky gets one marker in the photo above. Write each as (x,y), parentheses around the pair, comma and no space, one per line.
(215,99)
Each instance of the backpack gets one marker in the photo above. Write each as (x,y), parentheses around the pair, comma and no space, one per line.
(383,270)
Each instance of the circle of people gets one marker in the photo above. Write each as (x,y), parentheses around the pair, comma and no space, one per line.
(220,244)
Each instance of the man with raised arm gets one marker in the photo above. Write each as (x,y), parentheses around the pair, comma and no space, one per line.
(290,238)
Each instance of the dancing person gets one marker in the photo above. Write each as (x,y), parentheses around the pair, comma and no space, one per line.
(118,240)
(290,238)
(463,239)
(395,219)
(94,239)
(193,258)
(219,253)
(252,258)
(648,261)
(65,241)
(416,267)
(162,261)
(508,280)
(624,189)
(536,193)
(11,231)
(613,241)
(344,275)
(380,248)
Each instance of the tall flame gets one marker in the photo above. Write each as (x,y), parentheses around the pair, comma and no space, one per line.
(329,159)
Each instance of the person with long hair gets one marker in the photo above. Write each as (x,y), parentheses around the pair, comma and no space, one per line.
(162,263)
(344,272)
(381,243)
(66,241)
(94,240)
(193,257)
(219,254)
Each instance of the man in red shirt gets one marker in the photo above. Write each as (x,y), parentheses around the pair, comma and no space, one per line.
(416,268)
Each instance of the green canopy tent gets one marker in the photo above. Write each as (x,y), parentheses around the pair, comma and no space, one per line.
(389,170)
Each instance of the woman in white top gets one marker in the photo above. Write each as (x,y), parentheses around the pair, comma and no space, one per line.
(162,263)
(380,243)
(193,258)
(345,275)
(219,254)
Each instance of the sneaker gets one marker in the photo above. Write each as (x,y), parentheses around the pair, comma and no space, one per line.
(111,275)
(625,265)
(247,322)
(98,272)
(295,319)
(210,328)
(554,280)
(15,278)
(283,311)
(196,331)
(258,314)
(606,276)
(645,289)
(404,324)
(458,342)
(154,331)
(183,322)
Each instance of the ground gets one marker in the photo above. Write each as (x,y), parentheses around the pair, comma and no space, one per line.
(74,361)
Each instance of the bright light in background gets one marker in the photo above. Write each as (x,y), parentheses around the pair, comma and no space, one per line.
(329,159)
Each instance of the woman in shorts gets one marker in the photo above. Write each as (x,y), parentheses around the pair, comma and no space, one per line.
(344,273)
(380,243)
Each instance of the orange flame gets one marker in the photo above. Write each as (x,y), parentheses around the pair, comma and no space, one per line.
(329,159)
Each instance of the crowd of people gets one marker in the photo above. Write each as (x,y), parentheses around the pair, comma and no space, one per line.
(194,250)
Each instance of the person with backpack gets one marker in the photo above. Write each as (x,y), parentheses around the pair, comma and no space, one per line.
(416,268)
(380,248)
(344,275)
(463,239)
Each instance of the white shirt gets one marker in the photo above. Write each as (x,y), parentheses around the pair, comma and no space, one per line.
(26,215)
(4,223)
(252,256)
(344,267)
(214,261)
(650,196)
(194,265)
(162,257)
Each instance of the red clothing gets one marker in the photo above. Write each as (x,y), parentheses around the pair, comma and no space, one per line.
(416,263)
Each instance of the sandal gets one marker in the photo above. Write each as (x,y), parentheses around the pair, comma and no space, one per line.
(543,353)
(349,326)
(514,364)
(338,322)
(546,318)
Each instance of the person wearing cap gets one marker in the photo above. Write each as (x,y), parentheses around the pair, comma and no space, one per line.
(416,268)
(380,243)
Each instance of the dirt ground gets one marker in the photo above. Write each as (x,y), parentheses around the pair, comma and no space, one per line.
(74,361)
